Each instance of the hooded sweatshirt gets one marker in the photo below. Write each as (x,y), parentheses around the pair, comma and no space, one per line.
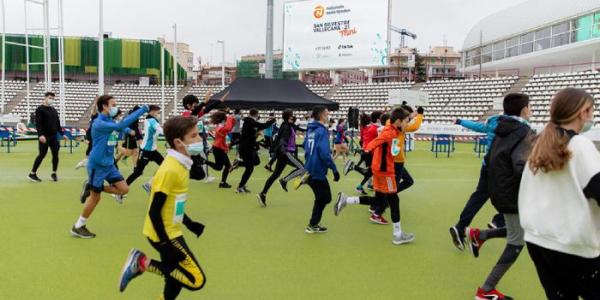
(317,153)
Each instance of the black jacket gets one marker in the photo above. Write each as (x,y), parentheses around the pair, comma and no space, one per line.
(506,160)
(250,129)
(47,122)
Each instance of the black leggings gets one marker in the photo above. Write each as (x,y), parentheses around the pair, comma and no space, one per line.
(186,274)
(322,192)
(282,161)
(43,150)
(366,172)
(565,276)
(381,201)
(250,159)
(145,158)
(221,163)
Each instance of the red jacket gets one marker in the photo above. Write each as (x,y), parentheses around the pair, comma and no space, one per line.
(221,134)
(368,134)
(384,147)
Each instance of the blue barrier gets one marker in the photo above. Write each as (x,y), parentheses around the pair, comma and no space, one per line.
(442,143)
(481,145)
(71,141)
(8,137)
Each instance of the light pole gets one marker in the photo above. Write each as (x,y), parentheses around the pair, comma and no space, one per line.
(101,49)
(222,64)
(269,48)
(175,65)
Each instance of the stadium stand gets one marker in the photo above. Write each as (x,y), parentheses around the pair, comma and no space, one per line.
(367,97)
(541,88)
(130,95)
(78,95)
(467,99)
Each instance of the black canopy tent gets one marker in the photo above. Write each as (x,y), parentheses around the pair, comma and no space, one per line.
(278,94)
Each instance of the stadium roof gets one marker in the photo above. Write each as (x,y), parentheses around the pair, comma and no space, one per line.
(524,17)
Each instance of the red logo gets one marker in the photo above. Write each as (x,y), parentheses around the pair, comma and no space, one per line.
(319,12)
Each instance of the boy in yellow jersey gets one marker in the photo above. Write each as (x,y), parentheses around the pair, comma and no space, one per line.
(166,213)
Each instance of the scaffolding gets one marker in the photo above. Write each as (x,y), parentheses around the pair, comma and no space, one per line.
(46,48)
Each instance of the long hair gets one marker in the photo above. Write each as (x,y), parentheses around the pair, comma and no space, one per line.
(550,151)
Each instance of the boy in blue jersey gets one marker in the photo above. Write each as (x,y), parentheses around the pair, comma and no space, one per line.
(148,148)
(481,194)
(101,166)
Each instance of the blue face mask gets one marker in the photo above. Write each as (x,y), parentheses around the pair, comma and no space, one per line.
(113,111)
(195,148)
(587,126)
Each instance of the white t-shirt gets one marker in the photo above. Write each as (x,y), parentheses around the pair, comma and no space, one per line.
(555,213)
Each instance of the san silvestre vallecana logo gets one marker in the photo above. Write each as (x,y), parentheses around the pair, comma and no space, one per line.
(319,12)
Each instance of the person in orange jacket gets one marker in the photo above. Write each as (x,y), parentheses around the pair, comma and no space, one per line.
(224,124)
(384,148)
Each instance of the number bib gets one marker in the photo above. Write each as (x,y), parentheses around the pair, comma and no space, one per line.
(395,149)
(112,139)
(179,208)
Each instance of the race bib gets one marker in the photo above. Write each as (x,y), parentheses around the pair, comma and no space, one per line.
(395,147)
(179,209)
(112,139)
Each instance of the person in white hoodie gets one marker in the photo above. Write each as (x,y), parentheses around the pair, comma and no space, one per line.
(559,201)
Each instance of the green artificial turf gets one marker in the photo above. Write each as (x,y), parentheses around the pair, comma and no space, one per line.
(249,252)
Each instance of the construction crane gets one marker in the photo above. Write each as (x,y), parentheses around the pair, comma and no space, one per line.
(403,34)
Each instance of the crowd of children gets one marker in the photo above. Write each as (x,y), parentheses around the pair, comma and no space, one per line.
(546,187)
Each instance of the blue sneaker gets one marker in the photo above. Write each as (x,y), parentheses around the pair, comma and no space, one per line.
(131,269)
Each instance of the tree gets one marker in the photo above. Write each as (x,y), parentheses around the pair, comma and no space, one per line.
(420,72)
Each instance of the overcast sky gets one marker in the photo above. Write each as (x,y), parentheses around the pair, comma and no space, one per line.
(242,23)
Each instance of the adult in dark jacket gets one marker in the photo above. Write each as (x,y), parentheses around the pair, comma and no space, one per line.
(48,128)
(506,161)
(248,147)
(284,147)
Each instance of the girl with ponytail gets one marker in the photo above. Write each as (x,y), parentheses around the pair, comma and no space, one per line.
(559,200)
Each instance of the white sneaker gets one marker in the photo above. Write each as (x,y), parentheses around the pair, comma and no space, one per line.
(403,238)
(81,164)
(119,199)
(209,179)
(340,203)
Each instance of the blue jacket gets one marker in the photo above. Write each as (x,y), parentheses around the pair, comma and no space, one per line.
(105,132)
(317,154)
(489,128)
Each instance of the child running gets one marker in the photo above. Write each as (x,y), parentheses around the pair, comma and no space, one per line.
(165,215)
(506,161)
(284,149)
(481,193)
(559,200)
(384,147)
(101,166)
(368,134)
(318,162)
(148,149)
(224,123)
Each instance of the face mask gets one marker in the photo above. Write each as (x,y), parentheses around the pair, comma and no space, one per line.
(195,148)
(587,126)
(50,101)
(113,111)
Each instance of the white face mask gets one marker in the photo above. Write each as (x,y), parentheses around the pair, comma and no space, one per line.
(50,101)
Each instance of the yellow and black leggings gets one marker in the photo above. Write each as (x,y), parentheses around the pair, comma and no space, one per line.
(185,274)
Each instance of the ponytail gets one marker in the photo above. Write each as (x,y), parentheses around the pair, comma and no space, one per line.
(550,151)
